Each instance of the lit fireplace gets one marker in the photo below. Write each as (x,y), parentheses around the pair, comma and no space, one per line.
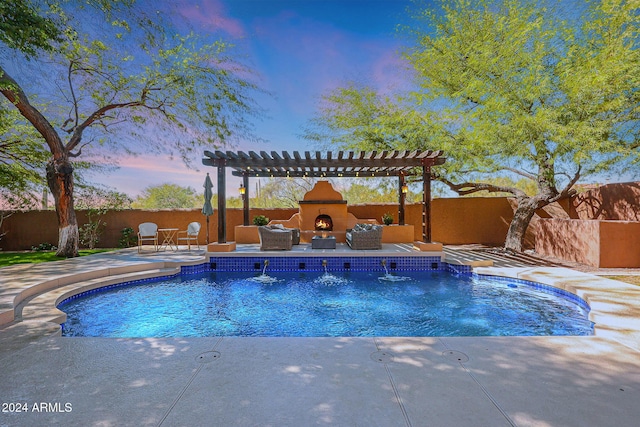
(323,223)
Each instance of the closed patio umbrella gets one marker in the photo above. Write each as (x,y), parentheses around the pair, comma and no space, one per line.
(207,209)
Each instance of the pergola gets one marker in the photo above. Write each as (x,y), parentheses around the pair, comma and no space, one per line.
(401,164)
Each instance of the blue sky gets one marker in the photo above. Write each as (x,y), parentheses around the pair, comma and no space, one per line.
(300,50)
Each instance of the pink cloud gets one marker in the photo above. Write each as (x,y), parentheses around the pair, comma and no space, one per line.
(136,173)
(390,72)
(211,14)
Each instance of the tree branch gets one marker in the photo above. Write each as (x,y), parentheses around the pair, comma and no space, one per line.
(97,115)
(466,188)
(568,190)
(14,93)
(521,173)
(79,152)
(73,96)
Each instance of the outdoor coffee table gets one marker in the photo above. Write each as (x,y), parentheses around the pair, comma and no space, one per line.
(318,242)
(168,238)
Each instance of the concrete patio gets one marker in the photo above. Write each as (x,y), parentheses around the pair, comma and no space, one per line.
(465,381)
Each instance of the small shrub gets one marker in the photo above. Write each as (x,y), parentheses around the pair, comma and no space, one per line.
(42,247)
(90,232)
(387,218)
(260,220)
(128,238)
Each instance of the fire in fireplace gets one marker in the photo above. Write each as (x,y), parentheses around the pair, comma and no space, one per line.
(323,223)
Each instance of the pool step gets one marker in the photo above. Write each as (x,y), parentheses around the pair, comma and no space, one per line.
(42,308)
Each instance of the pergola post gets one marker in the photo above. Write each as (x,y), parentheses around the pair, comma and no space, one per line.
(426,202)
(401,199)
(245,200)
(222,202)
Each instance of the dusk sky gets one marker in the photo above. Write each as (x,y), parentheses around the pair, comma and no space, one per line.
(301,49)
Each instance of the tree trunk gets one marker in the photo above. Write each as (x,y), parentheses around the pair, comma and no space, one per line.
(60,180)
(59,169)
(521,218)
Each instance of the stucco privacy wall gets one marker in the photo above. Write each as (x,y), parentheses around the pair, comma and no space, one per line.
(604,229)
(455,221)
(620,201)
(602,244)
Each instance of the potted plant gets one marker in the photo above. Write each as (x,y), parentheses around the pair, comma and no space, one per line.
(260,220)
(387,219)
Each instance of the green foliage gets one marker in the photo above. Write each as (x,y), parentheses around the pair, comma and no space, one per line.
(168,196)
(91,232)
(356,117)
(281,193)
(527,186)
(232,202)
(112,71)
(525,90)
(507,87)
(23,28)
(96,202)
(130,71)
(260,220)
(387,218)
(372,190)
(128,238)
(43,247)
(23,156)
(100,200)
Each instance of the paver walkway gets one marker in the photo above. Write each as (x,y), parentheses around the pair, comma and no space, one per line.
(500,258)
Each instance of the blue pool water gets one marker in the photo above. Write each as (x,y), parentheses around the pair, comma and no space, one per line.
(324,305)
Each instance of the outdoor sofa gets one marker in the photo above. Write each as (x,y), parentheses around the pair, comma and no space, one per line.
(276,237)
(365,236)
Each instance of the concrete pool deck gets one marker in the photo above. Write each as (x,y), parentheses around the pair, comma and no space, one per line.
(462,381)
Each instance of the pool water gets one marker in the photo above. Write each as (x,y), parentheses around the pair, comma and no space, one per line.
(323,305)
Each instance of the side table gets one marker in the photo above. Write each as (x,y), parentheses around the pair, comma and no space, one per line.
(318,242)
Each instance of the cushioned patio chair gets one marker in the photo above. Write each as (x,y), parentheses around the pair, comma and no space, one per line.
(147,232)
(365,236)
(275,238)
(190,234)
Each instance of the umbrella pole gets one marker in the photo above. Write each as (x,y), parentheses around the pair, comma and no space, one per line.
(207,230)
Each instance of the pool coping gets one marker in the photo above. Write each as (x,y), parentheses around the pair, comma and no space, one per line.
(614,305)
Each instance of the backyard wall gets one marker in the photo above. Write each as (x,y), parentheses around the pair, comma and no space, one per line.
(603,230)
(454,221)
(599,243)
(620,201)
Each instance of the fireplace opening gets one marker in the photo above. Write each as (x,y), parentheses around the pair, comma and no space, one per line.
(323,223)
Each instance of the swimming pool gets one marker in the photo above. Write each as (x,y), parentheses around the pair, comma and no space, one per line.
(325,304)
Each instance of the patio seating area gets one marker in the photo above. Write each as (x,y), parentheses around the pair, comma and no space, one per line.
(148,232)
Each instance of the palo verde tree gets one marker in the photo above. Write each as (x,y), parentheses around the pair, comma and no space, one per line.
(508,86)
(119,76)
(168,196)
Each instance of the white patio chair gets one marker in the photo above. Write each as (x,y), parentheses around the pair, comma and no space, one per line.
(190,234)
(147,232)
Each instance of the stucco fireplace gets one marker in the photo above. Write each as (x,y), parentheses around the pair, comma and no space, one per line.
(323,212)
